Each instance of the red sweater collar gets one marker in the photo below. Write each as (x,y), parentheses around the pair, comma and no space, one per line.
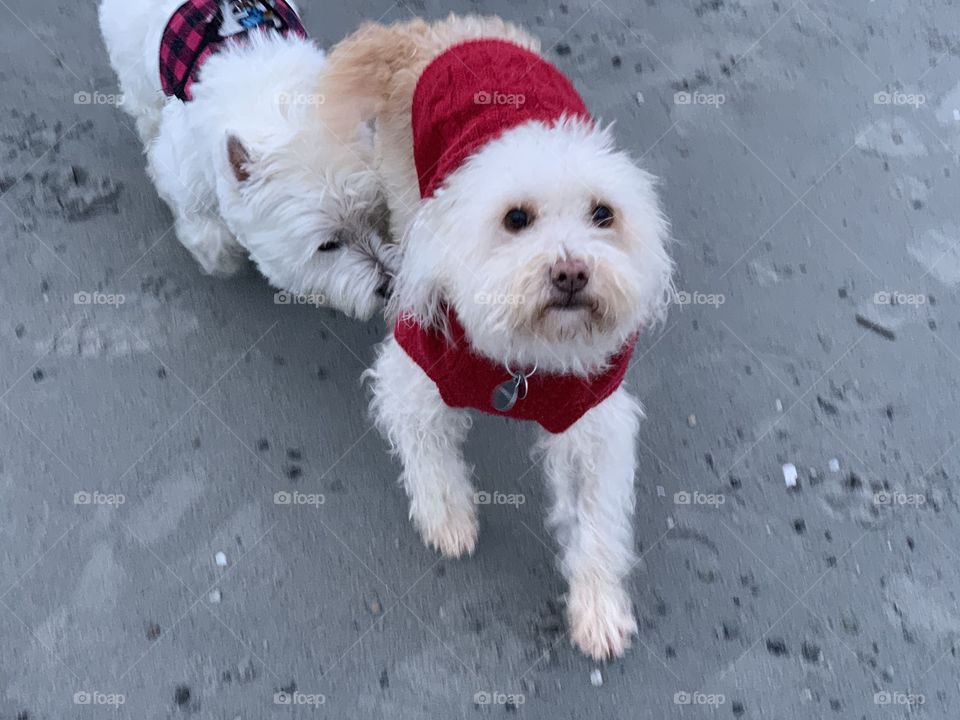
(466,379)
(472,93)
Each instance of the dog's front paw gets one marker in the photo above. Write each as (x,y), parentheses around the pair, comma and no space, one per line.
(454,534)
(601,618)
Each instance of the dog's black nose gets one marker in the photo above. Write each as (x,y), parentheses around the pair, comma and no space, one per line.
(569,276)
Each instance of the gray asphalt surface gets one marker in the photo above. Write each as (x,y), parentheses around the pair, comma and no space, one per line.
(797,196)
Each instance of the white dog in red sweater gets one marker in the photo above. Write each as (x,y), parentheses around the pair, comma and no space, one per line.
(531,262)
(228,99)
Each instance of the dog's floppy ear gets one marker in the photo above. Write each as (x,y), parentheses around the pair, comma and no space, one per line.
(239,158)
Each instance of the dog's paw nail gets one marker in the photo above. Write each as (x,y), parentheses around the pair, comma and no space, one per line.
(456,537)
(601,621)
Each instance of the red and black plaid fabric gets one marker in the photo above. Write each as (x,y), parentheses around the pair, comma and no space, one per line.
(200,28)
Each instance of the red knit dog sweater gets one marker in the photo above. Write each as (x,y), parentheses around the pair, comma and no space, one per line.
(468,380)
(474,92)
(469,95)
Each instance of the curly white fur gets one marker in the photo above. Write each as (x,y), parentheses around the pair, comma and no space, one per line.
(457,253)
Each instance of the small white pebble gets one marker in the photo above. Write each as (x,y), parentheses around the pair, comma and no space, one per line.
(834,465)
(670,523)
(220,559)
(790,474)
(692,420)
(596,677)
(214,596)
(639,98)
(956,114)
(779,405)
(660,491)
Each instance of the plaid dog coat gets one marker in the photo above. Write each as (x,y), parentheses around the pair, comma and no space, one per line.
(199,28)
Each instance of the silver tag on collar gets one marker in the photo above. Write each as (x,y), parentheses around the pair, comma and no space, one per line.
(506,395)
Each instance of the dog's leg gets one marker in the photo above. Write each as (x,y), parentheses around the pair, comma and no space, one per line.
(211,243)
(590,472)
(427,435)
(182,186)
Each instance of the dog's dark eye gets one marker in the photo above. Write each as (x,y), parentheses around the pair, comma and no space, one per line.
(330,246)
(517,219)
(602,216)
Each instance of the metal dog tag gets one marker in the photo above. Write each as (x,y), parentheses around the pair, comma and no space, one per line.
(506,395)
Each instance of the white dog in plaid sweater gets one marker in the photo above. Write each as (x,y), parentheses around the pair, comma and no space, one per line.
(228,99)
